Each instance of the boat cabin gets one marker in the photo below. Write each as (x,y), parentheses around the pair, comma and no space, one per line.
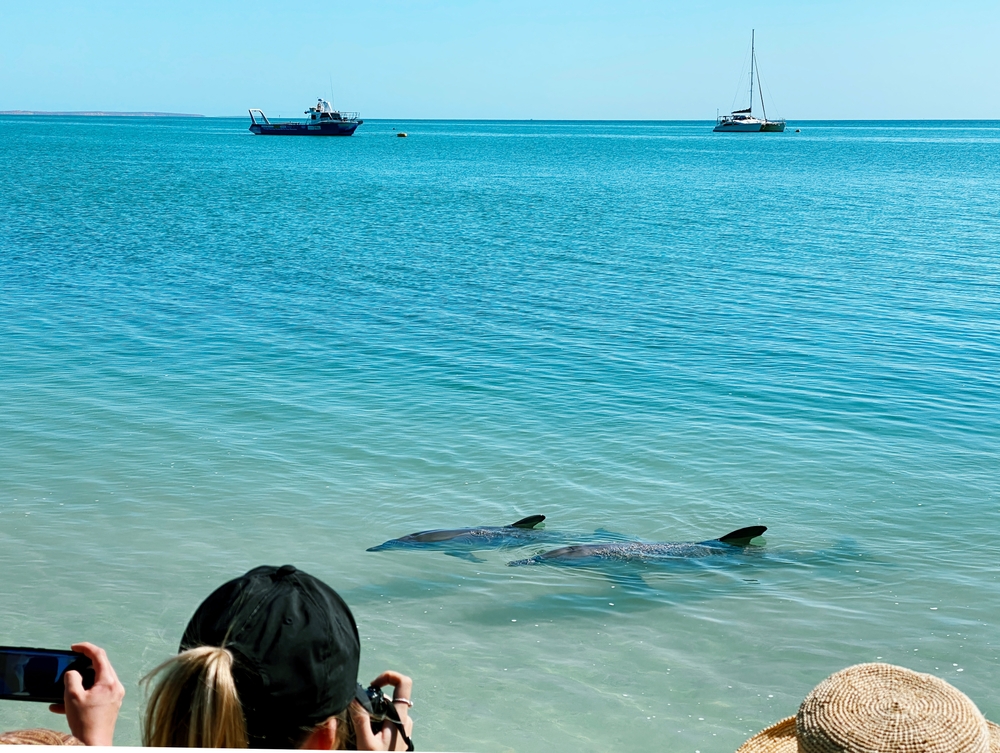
(323,111)
(737,116)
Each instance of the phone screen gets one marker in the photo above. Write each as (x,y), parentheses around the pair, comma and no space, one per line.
(36,674)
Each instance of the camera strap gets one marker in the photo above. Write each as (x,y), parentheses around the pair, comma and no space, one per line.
(398,723)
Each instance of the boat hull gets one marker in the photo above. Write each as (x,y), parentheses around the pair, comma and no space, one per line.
(765,126)
(344,128)
(754,127)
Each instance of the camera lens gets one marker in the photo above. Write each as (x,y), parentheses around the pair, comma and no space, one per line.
(378,701)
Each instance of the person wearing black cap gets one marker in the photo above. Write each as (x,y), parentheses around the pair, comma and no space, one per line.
(270,660)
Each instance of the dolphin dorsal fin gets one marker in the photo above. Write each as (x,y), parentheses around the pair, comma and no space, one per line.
(529,522)
(743,535)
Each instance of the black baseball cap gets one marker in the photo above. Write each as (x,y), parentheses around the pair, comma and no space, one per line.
(295,645)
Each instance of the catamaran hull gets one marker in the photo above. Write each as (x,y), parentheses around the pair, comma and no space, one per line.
(302,129)
(738,128)
(758,127)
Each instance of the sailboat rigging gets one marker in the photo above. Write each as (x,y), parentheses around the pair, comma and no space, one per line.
(743,121)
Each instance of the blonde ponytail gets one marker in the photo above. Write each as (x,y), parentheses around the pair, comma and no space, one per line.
(194,703)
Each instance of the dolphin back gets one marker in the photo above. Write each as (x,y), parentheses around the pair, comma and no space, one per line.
(428,538)
(742,536)
(571,553)
(484,536)
(638,552)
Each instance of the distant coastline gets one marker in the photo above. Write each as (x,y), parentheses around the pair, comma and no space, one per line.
(100,113)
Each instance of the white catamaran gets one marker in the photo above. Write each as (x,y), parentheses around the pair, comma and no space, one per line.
(743,121)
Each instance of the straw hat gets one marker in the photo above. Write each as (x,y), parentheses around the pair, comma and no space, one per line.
(37,737)
(880,708)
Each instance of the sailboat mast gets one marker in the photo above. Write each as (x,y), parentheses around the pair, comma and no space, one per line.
(760,91)
(752,63)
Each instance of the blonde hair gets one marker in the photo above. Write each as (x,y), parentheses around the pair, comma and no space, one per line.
(345,739)
(194,703)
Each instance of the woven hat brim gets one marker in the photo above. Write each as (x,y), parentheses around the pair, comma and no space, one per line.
(778,738)
(37,737)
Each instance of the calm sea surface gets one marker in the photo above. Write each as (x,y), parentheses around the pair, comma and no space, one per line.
(218,351)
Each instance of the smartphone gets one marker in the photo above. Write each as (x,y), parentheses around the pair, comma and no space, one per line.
(36,674)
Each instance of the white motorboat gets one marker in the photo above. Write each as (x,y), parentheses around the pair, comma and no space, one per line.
(323,120)
(743,121)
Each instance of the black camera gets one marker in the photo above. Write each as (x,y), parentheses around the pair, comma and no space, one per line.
(379,707)
(380,710)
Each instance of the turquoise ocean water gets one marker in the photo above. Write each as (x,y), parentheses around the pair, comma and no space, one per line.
(219,350)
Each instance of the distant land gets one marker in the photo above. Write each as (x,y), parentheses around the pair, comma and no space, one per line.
(98,113)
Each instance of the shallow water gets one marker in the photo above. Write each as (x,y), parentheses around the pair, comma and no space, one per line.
(219,351)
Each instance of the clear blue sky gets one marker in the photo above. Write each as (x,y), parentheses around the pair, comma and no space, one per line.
(503,59)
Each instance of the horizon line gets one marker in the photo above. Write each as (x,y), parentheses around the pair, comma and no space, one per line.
(104,113)
(156,114)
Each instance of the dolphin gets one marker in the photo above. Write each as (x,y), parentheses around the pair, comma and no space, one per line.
(460,542)
(632,552)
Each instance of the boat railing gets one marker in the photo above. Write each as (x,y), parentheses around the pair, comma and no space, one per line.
(349,115)
(263,117)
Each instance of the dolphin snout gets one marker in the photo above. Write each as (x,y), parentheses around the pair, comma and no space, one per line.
(528,561)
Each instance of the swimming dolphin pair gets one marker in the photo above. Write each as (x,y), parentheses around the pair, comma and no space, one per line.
(460,542)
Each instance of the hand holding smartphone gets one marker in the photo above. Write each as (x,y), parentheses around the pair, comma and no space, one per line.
(36,674)
(80,683)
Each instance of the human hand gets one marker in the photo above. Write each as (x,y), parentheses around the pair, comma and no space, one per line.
(388,738)
(92,712)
